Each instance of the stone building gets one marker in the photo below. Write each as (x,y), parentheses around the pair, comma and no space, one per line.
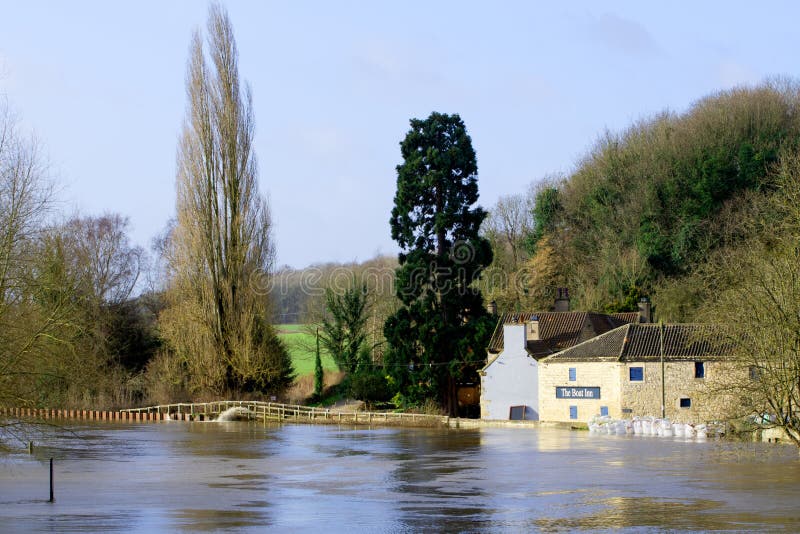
(510,379)
(634,369)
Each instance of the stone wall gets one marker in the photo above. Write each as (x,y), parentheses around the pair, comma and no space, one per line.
(604,375)
(705,401)
(624,398)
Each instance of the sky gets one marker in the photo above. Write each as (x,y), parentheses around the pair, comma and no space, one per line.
(334,84)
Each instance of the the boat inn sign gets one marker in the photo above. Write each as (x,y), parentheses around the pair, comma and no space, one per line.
(567,392)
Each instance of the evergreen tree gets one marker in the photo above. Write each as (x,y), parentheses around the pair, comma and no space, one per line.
(439,334)
(344,328)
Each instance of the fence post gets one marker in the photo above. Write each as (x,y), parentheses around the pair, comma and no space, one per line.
(51,480)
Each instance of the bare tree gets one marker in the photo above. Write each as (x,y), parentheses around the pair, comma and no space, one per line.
(103,256)
(25,200)
(509,222)
(221,245)
(759,302)
(507,228)
(763,316)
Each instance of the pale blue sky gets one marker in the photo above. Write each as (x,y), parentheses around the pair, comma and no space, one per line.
(335,83)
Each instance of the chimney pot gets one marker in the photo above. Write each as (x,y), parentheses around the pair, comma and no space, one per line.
(532,329)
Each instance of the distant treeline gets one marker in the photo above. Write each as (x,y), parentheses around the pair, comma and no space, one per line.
(298,295)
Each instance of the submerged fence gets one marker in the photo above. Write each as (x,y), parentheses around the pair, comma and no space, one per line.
(89,415)
(254,410)
(273,411)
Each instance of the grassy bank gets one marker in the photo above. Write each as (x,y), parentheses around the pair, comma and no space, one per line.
(302,346)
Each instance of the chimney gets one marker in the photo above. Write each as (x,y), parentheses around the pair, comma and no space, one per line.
(533,329)
(562,300)
(514,336)
(645,315)
(492,308)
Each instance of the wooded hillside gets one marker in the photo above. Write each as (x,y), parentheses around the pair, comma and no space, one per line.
(647,209)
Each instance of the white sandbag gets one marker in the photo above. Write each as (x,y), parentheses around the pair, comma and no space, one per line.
(637,426)
(678,430)
(647,427)
(621,428)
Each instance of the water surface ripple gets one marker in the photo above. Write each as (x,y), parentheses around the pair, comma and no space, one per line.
(248,477)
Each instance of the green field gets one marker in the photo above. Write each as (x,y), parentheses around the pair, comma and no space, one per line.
(301,346)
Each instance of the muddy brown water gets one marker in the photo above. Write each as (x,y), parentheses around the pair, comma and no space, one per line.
(164,477)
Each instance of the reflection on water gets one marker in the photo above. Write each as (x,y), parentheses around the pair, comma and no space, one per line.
(245,476)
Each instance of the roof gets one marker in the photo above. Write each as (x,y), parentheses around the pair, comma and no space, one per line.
(642,343)
(558,330)
(627,317)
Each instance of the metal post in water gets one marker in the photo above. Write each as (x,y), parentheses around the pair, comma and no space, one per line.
(663,385)
(52,499)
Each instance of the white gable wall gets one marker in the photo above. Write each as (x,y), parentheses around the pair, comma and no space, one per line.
(511,379)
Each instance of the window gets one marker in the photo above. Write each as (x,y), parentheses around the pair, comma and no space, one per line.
(573,412)
(573,373)
(603,410)
(517,413)
(685,403)
(636,374)
(699,370)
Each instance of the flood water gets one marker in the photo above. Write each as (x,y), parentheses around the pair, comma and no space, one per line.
(249,477)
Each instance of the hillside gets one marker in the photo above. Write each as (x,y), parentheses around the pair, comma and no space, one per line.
(647,209)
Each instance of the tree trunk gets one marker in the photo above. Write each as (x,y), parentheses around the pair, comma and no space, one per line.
(452,396)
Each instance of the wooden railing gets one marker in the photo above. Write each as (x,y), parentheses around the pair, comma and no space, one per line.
(273,411)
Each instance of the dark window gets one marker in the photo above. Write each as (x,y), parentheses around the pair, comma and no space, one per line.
(573,412)
(603,410)
(686,403)
(636,374)
(573,374)
(517,413)
(699,370)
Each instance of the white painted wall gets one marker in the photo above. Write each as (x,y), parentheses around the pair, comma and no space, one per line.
(512,379)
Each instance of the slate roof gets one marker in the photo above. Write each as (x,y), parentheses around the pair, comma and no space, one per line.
(558,330)
(642,343)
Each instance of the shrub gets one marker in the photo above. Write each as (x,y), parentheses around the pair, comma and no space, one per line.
(370,386)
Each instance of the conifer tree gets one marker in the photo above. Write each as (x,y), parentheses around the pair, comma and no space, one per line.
(344,327)
(442,328)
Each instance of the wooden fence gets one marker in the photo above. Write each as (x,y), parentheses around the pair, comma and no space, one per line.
(273,411)
(88,415)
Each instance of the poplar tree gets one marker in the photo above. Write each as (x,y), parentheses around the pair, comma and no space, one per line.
(221,247)
(319,373)
(442,328)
